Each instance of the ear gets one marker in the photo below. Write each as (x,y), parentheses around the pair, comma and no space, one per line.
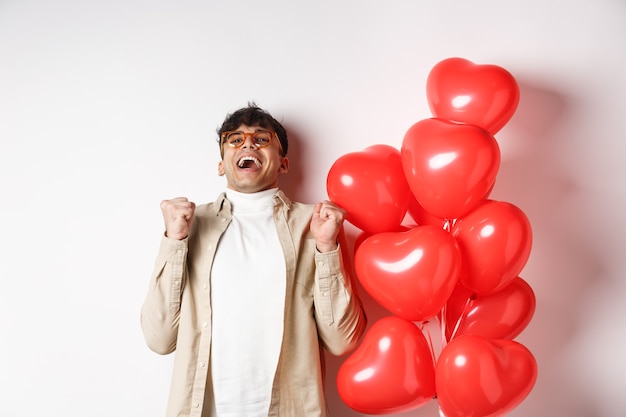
(220,168)
(284,165)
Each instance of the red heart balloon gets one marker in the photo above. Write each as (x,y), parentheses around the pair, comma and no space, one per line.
(421,216)
(390,372)
(370,185)
(495,240)
(482,95)
(410,273)
(360,238)
(483,377)
(449,167)
(499,315)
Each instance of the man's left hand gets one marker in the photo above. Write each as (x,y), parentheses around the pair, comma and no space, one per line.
(326,224)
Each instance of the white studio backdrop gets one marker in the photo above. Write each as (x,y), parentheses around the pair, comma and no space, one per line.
(108,107)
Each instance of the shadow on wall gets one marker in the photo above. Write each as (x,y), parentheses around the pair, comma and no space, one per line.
(562,266)
(565,265)
(292,182)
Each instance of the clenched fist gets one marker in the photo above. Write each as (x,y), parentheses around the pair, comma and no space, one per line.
(178,215)
(326,224)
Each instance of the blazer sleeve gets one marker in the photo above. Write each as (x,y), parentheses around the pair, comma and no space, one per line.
(340,317)
(160,311)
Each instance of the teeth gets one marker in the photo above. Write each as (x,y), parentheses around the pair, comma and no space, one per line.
(245,159)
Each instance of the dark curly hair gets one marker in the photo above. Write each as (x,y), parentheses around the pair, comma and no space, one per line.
(253,115)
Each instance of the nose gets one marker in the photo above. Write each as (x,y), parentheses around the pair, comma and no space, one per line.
(248,141)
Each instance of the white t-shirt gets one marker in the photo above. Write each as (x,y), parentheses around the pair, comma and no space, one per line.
(247,303)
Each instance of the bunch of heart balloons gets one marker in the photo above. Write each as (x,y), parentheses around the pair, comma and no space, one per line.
(458,264)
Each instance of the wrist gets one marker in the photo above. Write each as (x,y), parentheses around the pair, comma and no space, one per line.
(176,236)
(326,247)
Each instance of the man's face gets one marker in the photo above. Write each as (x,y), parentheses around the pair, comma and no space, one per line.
(250,168)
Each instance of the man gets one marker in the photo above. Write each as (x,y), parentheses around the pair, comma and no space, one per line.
(248,289)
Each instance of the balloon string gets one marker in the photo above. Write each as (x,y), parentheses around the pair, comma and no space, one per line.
(442,324)
(424,326)
(463,315)
(448,224)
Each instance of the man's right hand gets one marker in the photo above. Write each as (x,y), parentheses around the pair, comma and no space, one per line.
(178,215)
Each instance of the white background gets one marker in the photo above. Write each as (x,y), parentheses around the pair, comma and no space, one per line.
(107,107)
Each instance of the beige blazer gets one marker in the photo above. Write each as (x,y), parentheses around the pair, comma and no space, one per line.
(322,309)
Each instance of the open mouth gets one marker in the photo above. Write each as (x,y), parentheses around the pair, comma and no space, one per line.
(248,162)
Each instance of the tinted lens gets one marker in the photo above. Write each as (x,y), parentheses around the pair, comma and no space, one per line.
(234,138)
(262,138)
